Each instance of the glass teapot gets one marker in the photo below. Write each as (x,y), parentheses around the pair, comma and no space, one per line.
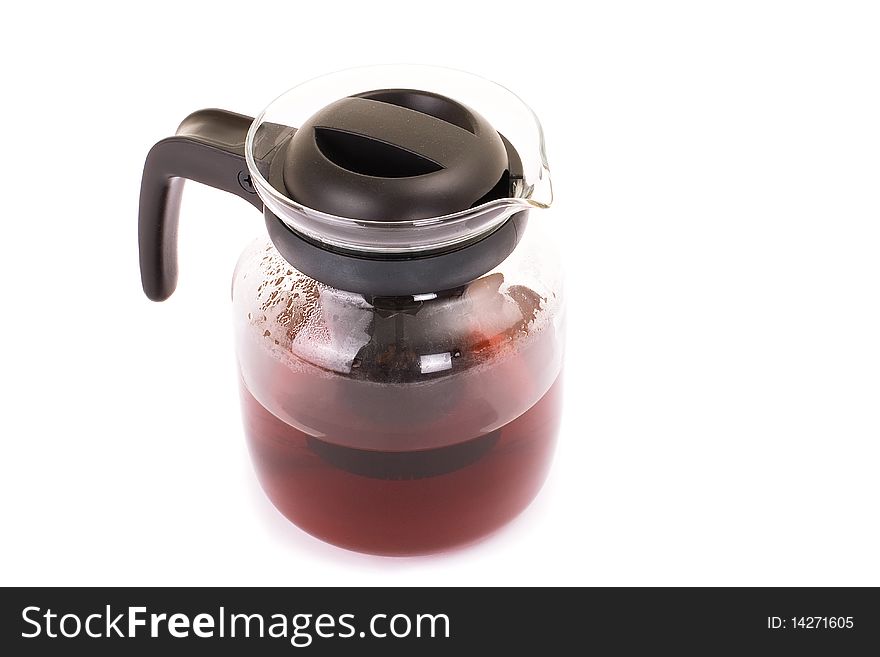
(399,330)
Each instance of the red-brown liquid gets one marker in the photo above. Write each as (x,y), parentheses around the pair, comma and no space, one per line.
(400,503)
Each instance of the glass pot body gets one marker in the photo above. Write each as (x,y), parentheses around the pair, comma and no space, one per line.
(401,425)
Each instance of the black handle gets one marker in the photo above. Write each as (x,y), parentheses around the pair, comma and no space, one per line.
(208,148)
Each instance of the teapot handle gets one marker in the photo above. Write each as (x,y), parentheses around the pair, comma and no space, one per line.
(208,148)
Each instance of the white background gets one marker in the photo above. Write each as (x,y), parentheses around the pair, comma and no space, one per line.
(716,168)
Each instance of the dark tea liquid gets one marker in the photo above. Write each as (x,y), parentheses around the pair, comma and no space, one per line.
(397,425)
(403,502)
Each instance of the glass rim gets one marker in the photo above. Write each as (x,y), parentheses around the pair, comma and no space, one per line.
(401,236)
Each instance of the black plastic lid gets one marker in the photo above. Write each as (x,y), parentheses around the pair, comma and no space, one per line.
(395,155)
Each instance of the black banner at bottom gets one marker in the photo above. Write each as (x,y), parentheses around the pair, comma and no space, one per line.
(340,621)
